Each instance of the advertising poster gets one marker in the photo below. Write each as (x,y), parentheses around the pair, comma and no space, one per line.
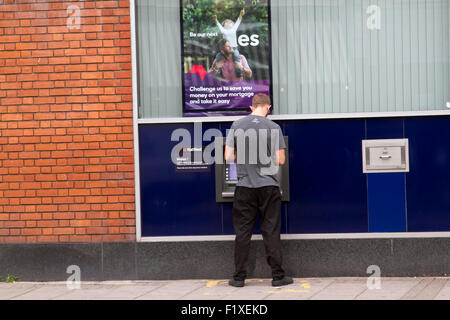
(226,55)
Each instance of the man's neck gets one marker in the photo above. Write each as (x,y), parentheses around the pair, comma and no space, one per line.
(260,113)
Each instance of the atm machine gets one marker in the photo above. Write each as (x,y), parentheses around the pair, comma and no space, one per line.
(226,175)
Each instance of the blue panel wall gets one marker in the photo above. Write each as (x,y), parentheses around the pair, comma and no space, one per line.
(329,192)
(428,183)
(386,202)
(390,128)
(386,191)
(174,203)
(328,188)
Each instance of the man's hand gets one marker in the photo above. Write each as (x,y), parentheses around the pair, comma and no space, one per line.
(216,67)
(238,65)
(242,12)
(214,18)
(220,64)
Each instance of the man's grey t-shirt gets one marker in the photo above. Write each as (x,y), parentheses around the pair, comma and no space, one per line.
(256,140)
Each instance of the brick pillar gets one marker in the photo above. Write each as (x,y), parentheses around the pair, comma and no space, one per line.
(66,129)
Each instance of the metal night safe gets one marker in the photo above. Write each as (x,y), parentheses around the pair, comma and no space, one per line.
(390,155)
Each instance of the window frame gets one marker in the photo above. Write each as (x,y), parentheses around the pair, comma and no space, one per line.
(361,115)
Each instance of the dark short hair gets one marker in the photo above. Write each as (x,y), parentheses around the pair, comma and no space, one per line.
(221,44)
(260,99)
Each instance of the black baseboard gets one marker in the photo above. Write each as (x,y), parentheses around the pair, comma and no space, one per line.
(398,257)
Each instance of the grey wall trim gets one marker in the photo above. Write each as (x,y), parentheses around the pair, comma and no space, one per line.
(396,257)
(319,116)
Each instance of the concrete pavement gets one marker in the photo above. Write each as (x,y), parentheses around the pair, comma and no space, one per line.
(423,288)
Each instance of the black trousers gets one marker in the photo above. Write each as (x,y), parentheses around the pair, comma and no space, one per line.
(247,203)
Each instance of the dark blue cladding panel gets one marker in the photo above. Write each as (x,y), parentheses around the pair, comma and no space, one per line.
(174,203)
(387,205)
(386,191)
(328,188)
(428,187)
(389,128)
(329,192)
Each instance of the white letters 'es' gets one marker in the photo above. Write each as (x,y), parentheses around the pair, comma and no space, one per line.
(244,40)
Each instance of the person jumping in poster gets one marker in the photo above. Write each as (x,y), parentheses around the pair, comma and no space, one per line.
(228,31)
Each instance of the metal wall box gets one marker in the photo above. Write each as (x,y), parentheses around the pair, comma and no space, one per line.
(390,155)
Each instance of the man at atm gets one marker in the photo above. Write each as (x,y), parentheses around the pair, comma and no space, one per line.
(257,146)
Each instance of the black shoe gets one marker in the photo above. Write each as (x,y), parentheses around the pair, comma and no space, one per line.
(282,282)
(236,283)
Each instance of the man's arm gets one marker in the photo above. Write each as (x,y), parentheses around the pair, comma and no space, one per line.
(281,152)
(216,67)
(230,156)
(247,72)
(281,157)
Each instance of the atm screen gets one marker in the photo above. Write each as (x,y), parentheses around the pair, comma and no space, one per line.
(231,173)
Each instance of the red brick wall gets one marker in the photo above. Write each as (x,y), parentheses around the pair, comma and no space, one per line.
(66,124)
